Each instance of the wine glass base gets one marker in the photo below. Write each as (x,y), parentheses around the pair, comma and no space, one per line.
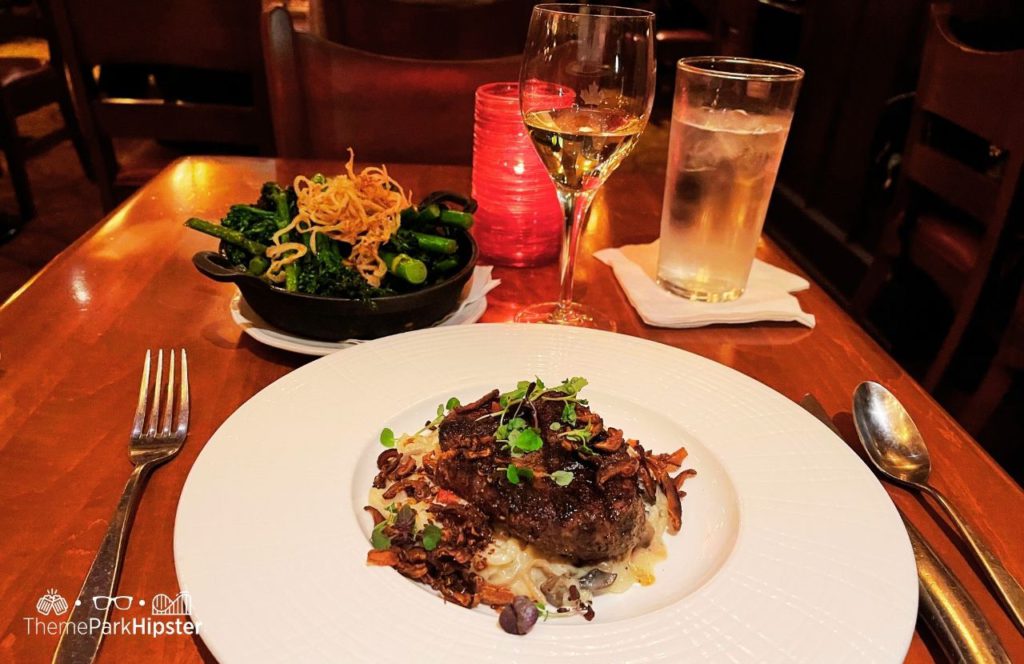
(573,314)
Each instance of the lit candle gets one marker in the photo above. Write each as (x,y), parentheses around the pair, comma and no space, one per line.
(519,220)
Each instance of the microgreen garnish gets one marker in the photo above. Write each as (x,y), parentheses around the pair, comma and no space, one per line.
(542,609)
(515,474)
(513,430)
(522,441)
(378,539)
(442,410)
(581,436)
(569,412)
(561,477)
(387,436)
(431,536)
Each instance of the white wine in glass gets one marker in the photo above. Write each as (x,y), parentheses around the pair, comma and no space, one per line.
(602,58)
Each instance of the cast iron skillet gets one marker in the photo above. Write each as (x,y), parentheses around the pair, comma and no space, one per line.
(334,318)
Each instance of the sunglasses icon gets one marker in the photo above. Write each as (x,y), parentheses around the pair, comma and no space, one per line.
(120,602)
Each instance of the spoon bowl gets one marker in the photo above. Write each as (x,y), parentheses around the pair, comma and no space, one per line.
(889,435)
(897,449)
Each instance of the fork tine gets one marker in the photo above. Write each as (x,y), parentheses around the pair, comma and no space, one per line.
(140,409)
(183,405)
(154,409)
(165,429)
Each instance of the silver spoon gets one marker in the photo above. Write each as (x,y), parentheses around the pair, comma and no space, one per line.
(897,449)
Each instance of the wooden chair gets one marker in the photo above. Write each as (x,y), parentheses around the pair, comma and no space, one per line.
(177,41)
(425,29)
(1008,360)
(953,208)
(326,98)
(26,85)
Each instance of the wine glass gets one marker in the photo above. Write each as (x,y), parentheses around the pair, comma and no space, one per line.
(585,92)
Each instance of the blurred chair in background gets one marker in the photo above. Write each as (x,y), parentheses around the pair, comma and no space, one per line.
(425,29)
(326,98)
(1009,359)
(26,85)
(961,169)
(185,71)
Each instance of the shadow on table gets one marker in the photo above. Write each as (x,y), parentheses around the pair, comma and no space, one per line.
(204,652)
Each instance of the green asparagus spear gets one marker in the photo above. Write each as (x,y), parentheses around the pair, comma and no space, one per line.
(405,267)
(456,218)
(446,264)
(429,213)
(435,244)
(291,277)
(226,234)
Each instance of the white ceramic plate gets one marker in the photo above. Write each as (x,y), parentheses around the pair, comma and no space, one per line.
(790,550)
(470,310)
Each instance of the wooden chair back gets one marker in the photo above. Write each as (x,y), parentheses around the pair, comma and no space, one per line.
(221,36)
(326,98)
(982,93)
(961,169)
(427,29)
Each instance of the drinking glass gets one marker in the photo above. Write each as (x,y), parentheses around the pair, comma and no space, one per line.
(730,119)
(601,61)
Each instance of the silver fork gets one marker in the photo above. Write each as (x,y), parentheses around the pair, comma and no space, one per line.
(150,446)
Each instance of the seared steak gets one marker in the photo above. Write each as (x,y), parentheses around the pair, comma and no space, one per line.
(598,515)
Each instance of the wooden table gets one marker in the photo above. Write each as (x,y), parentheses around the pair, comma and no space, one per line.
(73,339)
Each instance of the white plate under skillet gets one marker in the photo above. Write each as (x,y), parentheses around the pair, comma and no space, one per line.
(790,550)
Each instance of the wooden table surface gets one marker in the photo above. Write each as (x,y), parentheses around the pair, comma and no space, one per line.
(72,342)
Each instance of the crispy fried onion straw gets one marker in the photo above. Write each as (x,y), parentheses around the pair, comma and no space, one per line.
(361,209)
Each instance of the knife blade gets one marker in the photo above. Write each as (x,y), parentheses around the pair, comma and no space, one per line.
(960,627)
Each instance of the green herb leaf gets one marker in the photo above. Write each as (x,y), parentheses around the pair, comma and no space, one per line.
(569,412)
(526,440)
(516,423)
(561,477)
(555,426)
(387,437)
(574,385)
(431,536)
(452,404)
(539,382)
(515,474)
(378,539)
(502,432)
(440,410)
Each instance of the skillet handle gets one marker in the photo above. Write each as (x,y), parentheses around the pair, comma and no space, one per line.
(210,264)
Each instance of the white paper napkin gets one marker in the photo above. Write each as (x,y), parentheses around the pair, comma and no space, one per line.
(480,284)
(767,297)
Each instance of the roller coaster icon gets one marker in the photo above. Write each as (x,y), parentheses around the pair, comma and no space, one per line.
(164,605)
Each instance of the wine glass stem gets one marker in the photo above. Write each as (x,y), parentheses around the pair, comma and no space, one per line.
(575,205)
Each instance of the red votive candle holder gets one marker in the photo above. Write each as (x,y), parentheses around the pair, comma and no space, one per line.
(519,221)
